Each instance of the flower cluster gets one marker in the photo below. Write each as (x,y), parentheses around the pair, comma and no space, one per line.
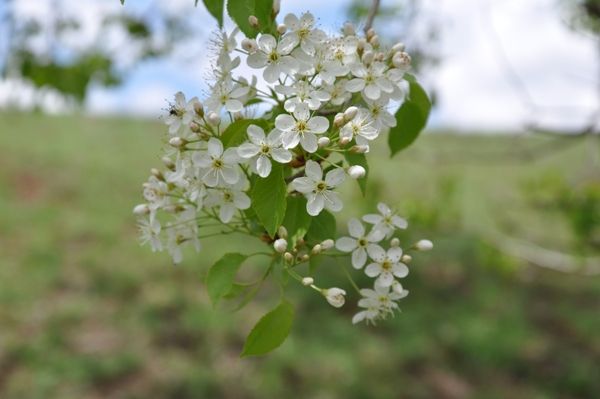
(323,99)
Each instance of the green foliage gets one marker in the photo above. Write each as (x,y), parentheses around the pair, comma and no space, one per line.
(236,133)
(268,197)
(411,118)
(359,159)
(296,221)
(215,8)
(219,281)
(322,227)
(240,10)
(270,331)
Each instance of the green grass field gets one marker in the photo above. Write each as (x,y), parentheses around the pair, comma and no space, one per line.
(85,312)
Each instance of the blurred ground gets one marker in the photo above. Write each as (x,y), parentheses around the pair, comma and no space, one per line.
(87,313)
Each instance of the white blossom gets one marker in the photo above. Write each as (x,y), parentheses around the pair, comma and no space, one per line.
(335,296)
(181,113)
(228,199)
(318,190)
(371,80)
(273,57)
(261,149)
(386,265)
(360,128)
(226,94)
(221,167)
(301,31)
(387,221)
(301,128)
(358,242)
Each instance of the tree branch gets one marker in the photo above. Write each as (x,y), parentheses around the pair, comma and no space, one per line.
(372,13)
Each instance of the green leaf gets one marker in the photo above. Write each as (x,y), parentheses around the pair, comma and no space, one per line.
(215,8)
(219,280)
(297,220)
(236,133)
(240,10)
(268,199)
(359,159)
(411,118)
(270,331)
(322,227)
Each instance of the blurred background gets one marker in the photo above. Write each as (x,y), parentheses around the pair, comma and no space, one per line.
(505,181)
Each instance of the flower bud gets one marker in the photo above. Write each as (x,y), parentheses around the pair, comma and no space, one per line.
(395,242)
(350,113)
(348,29)
(316,249)
(398,47)
(379,56)
(356,172)
(289,258)
(280,245)
(276,7)
(249,45)
(360,149)
(308,281)
(173,208)
(141,209)
(344,140)
(335,296)
(214,118)
(397,288)
(338,120)
(168,163)
(199,109)
(282,232)
(305,257)
(423,245)
(374,40)
(370,33)
(253,21)
(157,173)
(327,244)
(281,28)
(367,57)
(177,142)
(401,60)
(360,45)
(194,127)
(323,142)
(406,258)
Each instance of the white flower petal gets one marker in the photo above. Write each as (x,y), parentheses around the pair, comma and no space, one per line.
(215,147)
(346,244)
(308,141)
(376,253)
(313,171)
(256,134)
(359,258)
(318,124)
(356,228)
(315,204)
(284,122)
(304,185)
(373,270)
(248,150)
(335,177)
(263,166)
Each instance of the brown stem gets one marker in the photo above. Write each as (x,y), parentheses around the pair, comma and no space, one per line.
(372,13)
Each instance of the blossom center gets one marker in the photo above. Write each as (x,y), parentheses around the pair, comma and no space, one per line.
(362,242)
(265,149)
(227,197)
(321,186)
(273,56)
(386,265)
(217,163)
(301,126)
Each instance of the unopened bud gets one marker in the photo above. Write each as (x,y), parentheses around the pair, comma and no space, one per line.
(199,109)
(280,245)
(370,33)
(395,242)
(316,249)
(276,7)
(406,258)
(397,287)
(398,47)
(214,118)
(361,44)
(344,140)
(335,296)
(249,45)
(308,281)
(360,149)
(141,209)
(194,127)
(289,258)
(348,29)
(379,56)
(356,172)
(374,40)
(281,28)
(368,57)
(282,232)
(338,120)
(323,142)
(304,257)
(169,164)
(238,116)
(173,208)
(157,173)
(350,113)
(401,60)
(177,142)
(327,244)
(253,21)
(424,245)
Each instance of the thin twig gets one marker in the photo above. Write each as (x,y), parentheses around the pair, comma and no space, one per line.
(372,13)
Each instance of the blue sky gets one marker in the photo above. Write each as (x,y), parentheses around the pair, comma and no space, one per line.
(480,39)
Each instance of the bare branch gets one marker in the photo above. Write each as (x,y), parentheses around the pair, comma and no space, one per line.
(372,13)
